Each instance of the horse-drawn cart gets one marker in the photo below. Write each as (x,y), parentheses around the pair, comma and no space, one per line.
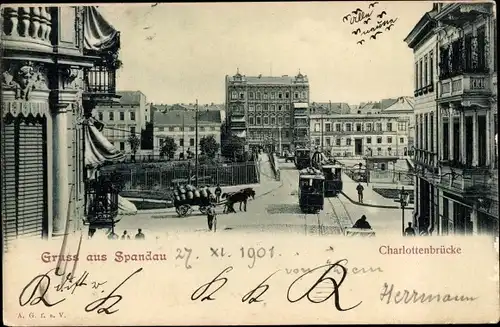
(188,196)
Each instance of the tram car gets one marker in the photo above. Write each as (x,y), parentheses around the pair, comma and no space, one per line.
(332,170)
(302,158)
(311,190)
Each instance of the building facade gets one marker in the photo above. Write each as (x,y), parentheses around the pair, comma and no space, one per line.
(370,132)
(126,118)
(456,138)
(49,88)
(181,126)
(267,110)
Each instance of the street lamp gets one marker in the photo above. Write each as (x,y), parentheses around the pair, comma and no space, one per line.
(404,197)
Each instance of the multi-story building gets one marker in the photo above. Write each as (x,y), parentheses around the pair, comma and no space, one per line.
(455,63)
(53,73)
(181,126)
(128,117)
(374,129)
(268,110)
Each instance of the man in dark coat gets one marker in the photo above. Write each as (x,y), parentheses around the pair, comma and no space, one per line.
(360,190)
(362,223)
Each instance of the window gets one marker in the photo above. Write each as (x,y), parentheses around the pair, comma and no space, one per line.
(132,115)
(170,129)
(132,130)
(122,115)
(265,95)
(317,127)
(272,95)
(287,107)
(328,127)
(368,140)
(251,120)
(259,107)
(111,115)
(251,108)
(369,127)
(348,127)
(287,120)
(338,127)
(280,121)
(287,95)
(242,96)
(379,140)
(191,129)
(266,120)
(122,146)
(416,76)
(273,120)
(389,127)
(426,67)
(273,107)
(258,96)
(402,126)
(389,139)
(296,95)
(234,95)
(431,67)
(328,141)
(280,95)
(181,129)
(337,142)
(100,116)
(348,142)
(420,75)
(181,142)
(287,134)
(250,95)
(161,129)
(317,141)
(202,128)
(258,120)
(358,127)
(191,142)
(378,127)
(280,107)
(401,140)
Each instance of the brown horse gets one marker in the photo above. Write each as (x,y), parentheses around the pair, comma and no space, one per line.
(241,196)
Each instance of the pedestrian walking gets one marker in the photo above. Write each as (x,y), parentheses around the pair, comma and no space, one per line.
(360,190)
(218,192)
(211,215)
(409,231)
(139,235)
(125,236)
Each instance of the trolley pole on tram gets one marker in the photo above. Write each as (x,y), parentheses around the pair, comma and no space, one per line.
(196,143)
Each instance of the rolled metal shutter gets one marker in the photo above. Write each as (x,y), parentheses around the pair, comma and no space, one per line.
(31,172)
(9,203)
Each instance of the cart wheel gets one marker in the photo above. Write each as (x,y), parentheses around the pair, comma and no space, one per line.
(203,210)
(183,210)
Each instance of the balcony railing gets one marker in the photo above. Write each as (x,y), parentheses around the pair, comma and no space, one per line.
(464,84)
(101,198)
(467,181)
(385,153)
(27,24)
(425,158)
(101,80)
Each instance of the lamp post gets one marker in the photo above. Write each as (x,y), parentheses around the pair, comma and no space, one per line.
(403,199)
(196,143)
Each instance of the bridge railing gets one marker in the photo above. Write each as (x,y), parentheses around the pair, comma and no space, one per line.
(273,160)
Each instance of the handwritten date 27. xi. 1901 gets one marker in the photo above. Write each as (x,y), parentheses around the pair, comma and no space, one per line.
(208,290)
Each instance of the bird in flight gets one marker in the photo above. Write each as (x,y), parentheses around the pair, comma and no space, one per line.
(382,14)
(356,11)
(330,248)
(346,17)
(371,5)
(389,27)
(147,27)
(366,21)
(374,36)
(361,42)
(154,5)
(355,32)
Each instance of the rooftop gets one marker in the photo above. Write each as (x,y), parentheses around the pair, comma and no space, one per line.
(185,117)
(330,108)
(130,97)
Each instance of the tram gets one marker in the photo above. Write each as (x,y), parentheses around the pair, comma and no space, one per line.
(311,190)
(332,170)
(302,158)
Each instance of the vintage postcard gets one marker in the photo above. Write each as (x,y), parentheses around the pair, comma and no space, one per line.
(249,163)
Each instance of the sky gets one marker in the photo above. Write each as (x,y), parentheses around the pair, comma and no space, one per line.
(180,52)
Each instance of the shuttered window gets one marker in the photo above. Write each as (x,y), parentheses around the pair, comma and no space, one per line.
(25,166)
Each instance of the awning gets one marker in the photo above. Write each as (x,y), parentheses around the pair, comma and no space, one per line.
(98,149)
(238,119)
(98,34)
(242,134)
(301,105)
(125,207)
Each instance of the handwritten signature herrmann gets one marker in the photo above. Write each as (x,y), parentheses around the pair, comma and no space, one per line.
(407,297)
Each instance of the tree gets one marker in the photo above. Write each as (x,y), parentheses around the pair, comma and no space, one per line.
(168,147)
(135,143)
(209,146)
(233,147)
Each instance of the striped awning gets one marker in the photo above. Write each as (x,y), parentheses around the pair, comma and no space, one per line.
(98,149)
(300,105)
